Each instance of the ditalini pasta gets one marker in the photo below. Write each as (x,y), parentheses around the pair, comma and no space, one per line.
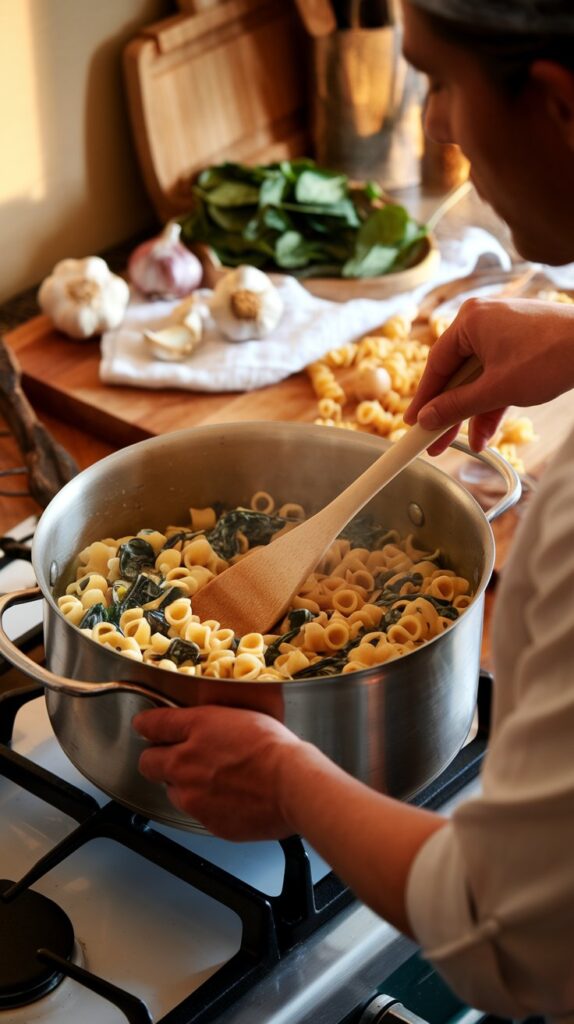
(398,349)
(375,596)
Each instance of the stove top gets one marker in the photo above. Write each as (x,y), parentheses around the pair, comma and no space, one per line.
(146,923)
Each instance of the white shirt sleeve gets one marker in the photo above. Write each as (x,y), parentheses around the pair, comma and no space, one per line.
(490,897)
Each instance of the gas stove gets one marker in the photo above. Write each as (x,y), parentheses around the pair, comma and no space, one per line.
(106,917)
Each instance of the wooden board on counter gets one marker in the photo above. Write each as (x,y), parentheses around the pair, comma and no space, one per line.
(226,83)
(61,378)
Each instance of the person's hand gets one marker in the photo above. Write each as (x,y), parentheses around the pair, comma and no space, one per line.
(244,776)
(526,348)
(224,766)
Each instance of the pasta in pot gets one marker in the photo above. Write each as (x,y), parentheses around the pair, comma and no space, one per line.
(375,596)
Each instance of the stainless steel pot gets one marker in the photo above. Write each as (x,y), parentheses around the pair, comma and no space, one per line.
(395,726)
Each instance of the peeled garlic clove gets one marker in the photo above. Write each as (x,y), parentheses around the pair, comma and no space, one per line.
(175,342)
(194,323)
(368,383)
(194,309)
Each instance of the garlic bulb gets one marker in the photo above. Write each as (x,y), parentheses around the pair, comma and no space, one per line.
(83,297)
(163,267)
(246,304)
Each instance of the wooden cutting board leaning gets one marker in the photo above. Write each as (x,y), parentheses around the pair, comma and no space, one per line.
(225,83)
(233,83)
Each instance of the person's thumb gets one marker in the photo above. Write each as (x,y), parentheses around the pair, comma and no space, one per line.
(443,411)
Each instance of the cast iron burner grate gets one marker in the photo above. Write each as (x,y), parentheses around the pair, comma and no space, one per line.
(272,925)
(33,922)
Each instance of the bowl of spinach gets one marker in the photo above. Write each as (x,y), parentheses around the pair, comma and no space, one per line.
(339,238)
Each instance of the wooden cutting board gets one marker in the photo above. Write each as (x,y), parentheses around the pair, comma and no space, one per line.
(61,378)
(226,83)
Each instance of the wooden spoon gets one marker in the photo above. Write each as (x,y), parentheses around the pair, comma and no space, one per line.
(254,593)
(318,16)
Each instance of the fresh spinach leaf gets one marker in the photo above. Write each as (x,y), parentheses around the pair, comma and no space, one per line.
(231,193)
(296,216)
(322,188)
(273,190)
(370,262)
(291,250)
(230,218)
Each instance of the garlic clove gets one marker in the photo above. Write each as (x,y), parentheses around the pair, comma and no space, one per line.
(174,342)
(195,305)
(367,383)
(194,323)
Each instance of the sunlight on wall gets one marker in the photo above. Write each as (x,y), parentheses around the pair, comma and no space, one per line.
(21,167)
(69,180)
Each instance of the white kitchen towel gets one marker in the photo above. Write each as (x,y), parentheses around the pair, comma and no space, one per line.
(308,329)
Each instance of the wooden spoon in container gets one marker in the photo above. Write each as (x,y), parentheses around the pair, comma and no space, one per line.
(318,16)
(254,593)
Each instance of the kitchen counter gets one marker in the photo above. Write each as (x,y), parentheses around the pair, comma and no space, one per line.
(87,444)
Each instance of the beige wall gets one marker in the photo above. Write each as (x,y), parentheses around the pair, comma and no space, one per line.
(69,180)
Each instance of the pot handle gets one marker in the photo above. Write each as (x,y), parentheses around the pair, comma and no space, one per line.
(501,466)
(72,687)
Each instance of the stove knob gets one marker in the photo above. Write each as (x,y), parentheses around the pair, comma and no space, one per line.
(388,1010)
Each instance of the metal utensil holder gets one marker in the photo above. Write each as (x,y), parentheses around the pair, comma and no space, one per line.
(367,106)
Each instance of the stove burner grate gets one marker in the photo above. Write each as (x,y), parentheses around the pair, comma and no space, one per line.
(33,922)
(271,925)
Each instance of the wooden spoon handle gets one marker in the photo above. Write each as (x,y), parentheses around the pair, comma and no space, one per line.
(318,16)
(254,593)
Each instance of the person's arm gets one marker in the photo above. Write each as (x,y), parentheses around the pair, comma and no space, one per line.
(488,894)
(245,776)
(526,348)
(510,848)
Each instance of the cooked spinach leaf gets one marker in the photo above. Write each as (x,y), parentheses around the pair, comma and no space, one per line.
(156,616)
(442,605)
(258,527)
(142,591)
(390,617)
(394,588)
(297,618)
(180,651)
(135,555)
(96,613)
(157,620)
(332,664)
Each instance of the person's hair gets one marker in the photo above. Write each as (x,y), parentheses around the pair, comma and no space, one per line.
(506,56)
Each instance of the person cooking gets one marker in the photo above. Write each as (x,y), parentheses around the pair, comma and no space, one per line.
(488,894)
